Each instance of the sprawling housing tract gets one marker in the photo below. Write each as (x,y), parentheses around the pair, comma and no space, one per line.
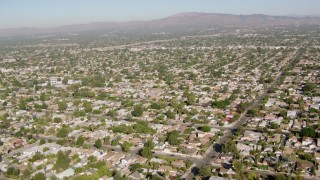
(217,103)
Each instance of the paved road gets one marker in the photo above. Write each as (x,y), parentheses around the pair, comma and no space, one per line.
(266,173)
(212,152)
(136,150)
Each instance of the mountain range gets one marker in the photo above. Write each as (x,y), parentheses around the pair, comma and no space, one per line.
(181,21)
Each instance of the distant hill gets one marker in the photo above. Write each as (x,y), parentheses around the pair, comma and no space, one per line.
(234,20)
(175,22)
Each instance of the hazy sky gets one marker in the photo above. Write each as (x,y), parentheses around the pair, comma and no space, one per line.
(49,13)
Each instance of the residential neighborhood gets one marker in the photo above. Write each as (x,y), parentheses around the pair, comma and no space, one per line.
(233,103)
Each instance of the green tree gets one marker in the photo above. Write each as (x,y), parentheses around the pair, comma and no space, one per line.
(238,167)
(156,177)
(280,177)
(313,171)
(146,152)
(97,81)
(143,127)
(135,167)
(62,132)
(220,104)
(118,176)
(115,141)
(62,161)
(42,96)
(78,113)
(65,80)
(125,146)
(26,174)
(87,106)
(206,128)
(149,143)
(309,87)
(174,103)
(112,113)
(57,120)
(309,132)
(39,176)
(253,112)
(137,111)
(42,141)
(173,138)
(283,113)
(206,171)
(122,129)
(22,104)
(307,156)
(98,143)
(80,141)
(12,171)
(106,140)
(62,105)
(229,146)
(102,95)
(274,125)
(155,105)
(180,108)
(252,176)
(104,171)
(243,106)
(171,114)
(191,98)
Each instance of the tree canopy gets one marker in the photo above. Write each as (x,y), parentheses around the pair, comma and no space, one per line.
(229,147)
(39,176)
(80,141)
(173,138)
(308,131)
(62,105)
(98,143)
(146,152)
(137,111)
(62,161)
(205,128)
(125,146)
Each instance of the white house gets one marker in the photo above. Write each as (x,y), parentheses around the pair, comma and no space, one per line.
(292,114)
(55,81)
(306,141)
